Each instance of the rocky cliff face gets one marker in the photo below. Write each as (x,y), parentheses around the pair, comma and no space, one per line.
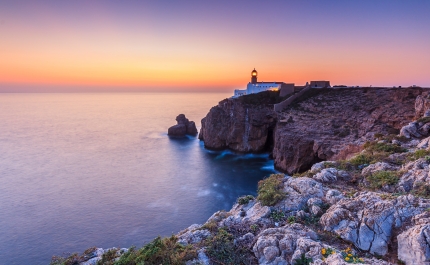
(243,124)
(324,124)
(331,124)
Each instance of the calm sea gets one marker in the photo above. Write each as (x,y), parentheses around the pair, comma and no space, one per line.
(82,170)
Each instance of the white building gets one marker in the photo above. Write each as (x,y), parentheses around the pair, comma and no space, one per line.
(256,87)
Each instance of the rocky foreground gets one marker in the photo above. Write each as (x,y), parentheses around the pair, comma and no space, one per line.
(370,207)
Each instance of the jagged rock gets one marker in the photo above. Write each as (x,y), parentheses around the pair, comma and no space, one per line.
(328,175)
(283,245)
(410,131)
(368,221)
(414,245)
(183,127)
(424,144)
(254,213)
(333,196)
(314,205)
(299,191)
(333,124)
(379,166)
(422,104)
(317,167)
(192,235)
(417,174)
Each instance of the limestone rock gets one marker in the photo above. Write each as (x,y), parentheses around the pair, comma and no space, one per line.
(314,205)
(414,245)
(422,104)
(379,166)
(283,245)
(317,167)
(410,131)
(417,174)
(368,221)
(328,175)
(299,191)
(424,144)
(333,196)
(192,235)
(183,127)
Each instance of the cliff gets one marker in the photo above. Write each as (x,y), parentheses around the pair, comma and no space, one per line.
(322,124)
(244,124)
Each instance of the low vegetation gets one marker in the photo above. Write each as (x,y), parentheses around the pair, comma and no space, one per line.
(221,249)
(159,251)
(245,199)
(422,153)
(270,190)
(303,260)
(383,178)
(74,258)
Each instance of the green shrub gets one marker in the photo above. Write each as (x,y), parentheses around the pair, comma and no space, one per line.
(303,260)
(159,251)
(277,215)
(384,147)
(270,190)
(245,199)
(70,260)
(108,258)
(221,249)
(382,178)
(419,154)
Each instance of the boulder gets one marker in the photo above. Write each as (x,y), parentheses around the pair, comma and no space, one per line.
(328,175)
(368,221)
(410,131)
(285,244)
(193,235)
(424,143)
(414,245)
(183,127)
(379,166)
(417,173)
(422,105)
(333,196)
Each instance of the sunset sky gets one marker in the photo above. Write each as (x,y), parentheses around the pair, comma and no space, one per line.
(201,45)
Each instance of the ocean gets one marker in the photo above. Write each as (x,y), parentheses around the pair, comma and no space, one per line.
(79,170)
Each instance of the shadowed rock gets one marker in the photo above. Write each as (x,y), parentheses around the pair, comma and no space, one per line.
(183,127)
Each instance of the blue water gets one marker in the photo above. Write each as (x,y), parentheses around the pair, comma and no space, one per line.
(82,170)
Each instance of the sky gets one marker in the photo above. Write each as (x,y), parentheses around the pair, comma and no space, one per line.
(174,46)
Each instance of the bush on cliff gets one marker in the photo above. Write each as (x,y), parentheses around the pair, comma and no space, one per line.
(270,190)
(383,178)
(159,251)
(245,199)
(222,249)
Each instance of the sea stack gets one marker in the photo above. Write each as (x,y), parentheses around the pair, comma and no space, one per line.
(183,127)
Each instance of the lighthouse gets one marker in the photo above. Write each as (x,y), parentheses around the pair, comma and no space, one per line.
(254,75)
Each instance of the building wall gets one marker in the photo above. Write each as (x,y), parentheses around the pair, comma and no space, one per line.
(286,89)
(260,87)
(320,84)
(239,92)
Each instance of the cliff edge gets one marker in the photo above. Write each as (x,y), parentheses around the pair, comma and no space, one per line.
(322,124)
